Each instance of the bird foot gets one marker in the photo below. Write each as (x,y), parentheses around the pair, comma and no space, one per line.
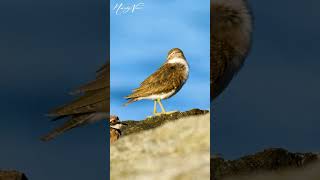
(154,115)
(161,113)
(170,112)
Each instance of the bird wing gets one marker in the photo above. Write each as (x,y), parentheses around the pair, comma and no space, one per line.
(221,66)
(103,71)
(168,77)
(89,102)
(93,99)
(76,121)
(230,38)
(101,82)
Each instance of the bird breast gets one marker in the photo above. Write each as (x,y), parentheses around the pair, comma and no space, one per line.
(114,135)
(181,61)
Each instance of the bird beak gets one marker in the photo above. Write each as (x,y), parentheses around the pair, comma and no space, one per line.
(124,124)
(118,125)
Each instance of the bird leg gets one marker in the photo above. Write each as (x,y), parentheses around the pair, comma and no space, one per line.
(163,110)
(155,107)
(161,106)
(155,113)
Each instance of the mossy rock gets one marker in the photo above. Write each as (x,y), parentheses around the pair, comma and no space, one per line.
(156,121)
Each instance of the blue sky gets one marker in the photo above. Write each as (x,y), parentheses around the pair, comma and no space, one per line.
(140,42)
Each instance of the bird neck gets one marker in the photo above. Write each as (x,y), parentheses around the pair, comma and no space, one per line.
(116,126)
(178,60)
(117,130)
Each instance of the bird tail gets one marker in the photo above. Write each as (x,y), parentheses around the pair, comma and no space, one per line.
(51,136)
(130,101)
(70,124)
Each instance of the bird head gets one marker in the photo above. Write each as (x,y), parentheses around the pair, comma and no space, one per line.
(175,53)
(113,119)
(115,122)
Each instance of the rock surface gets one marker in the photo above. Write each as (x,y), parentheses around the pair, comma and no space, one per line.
(178,149)
(156,121)
(12,175)
(269,160)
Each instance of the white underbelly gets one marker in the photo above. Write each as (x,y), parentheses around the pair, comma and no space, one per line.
(159,96)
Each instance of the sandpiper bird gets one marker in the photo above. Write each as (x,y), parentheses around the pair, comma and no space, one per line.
(91,106)
(115,128)
(230,38)
(163,83)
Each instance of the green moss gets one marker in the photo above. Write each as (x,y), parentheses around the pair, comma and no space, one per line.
(156,121)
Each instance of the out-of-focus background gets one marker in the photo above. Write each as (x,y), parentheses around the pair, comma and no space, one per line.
(140,41)
(47,48)
(274,100)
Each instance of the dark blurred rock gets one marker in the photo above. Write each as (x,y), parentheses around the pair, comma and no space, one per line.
(12,175)
(268,160)
(155,121)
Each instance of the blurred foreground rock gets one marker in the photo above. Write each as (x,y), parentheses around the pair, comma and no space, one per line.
(269,160)
(171,147)
(12,175)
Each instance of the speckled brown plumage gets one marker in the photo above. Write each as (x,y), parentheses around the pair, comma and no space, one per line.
(167,78)
(170,77)
(114,135)
(115,128)
(230,40)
